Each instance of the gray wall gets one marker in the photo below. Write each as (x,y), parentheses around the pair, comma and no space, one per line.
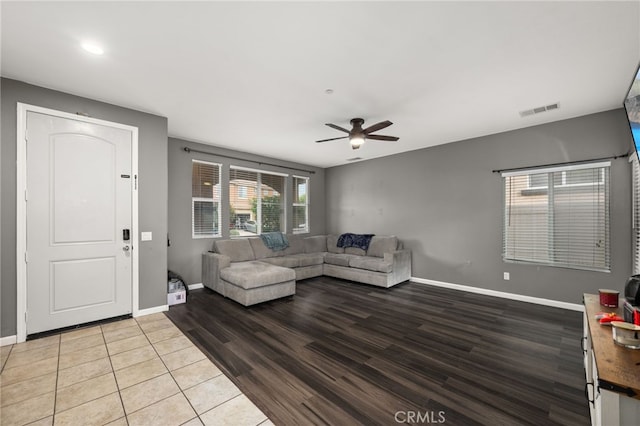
(446,204)
(185,251)
(152,194)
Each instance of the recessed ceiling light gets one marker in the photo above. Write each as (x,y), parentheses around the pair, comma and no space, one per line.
(92,48)
(328,91)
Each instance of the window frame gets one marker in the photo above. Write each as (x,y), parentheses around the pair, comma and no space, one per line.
(217,203)
(552,208)
(635,211)
(297,230)
(564,183)
(259,194)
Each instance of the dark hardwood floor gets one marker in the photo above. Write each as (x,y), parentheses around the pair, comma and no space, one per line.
(342,353)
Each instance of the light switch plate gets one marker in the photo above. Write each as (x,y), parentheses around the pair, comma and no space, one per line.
(146,236)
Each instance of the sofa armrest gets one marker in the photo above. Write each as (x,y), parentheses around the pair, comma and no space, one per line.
(212,263)
(401,261)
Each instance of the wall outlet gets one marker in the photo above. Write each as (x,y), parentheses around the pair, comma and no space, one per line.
(506,276)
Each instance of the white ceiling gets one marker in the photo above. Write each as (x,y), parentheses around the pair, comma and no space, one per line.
(252,76)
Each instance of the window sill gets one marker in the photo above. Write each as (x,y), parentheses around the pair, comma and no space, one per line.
(557,265)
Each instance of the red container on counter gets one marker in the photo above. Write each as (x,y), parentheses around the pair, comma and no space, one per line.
(609,298)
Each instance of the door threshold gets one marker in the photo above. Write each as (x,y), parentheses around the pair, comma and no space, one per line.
(48,333)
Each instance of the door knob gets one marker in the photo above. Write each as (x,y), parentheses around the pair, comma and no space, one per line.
(125,248)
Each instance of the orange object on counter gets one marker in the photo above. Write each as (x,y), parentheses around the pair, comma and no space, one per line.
(607,317)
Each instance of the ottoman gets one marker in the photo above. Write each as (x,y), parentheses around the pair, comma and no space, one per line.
(254,282)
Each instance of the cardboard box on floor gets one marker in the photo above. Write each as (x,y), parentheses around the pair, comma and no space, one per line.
(176,297)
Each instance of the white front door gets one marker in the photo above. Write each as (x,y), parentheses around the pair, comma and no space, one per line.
(79,193)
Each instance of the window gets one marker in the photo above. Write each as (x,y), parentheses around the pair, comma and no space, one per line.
(205,199)
(300,204)
(242,192)
(538,180)
(635,169)
(558,216)
(259,206)
(565,178)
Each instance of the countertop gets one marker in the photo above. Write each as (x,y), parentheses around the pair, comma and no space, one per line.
(618,367)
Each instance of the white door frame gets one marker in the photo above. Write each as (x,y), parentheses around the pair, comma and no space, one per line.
(21,208)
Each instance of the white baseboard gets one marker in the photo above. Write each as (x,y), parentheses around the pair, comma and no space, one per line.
(8,340)
(195,286)
(502,294)
(149,311)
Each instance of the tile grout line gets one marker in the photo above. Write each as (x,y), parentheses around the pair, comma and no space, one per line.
(231,399)
(208,360)
(113,371)
(169,371)
(77,365)
(7,359)
(55,389)
(221,373)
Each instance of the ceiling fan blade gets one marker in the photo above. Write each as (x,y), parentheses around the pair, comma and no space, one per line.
(332,139)
(379,126)
(333,126)
(383,138)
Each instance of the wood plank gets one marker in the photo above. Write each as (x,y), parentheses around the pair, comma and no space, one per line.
(339,353)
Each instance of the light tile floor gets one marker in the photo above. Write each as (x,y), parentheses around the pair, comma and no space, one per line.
(141,371)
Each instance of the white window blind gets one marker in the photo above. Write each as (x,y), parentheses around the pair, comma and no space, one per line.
(256,202)
(300,204)
(205,199)
(635,170)
(558,216)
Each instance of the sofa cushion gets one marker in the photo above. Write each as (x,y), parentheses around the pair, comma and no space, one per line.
(317,244)
(256,274)
(238,250)
(284,261)
(381,245)
(296,245)
(339,259)
(370,264)
(309,259)
(332,244)
(260,250)
(355,250)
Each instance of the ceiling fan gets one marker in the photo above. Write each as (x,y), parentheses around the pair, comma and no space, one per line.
(357,135)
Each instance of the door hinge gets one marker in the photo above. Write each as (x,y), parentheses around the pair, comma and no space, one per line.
(603,384)
(135,182)
(26,257)
(26,135)
(26,196)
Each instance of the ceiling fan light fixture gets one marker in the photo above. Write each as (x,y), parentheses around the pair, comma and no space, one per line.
(357,135)
(356,141)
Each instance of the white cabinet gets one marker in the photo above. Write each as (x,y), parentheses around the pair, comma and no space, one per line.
(587,353)
(612,390)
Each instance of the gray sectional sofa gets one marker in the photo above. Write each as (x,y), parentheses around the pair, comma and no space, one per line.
(247,271)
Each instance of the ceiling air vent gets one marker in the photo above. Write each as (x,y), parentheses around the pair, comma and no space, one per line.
(354,159)
(538,110)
